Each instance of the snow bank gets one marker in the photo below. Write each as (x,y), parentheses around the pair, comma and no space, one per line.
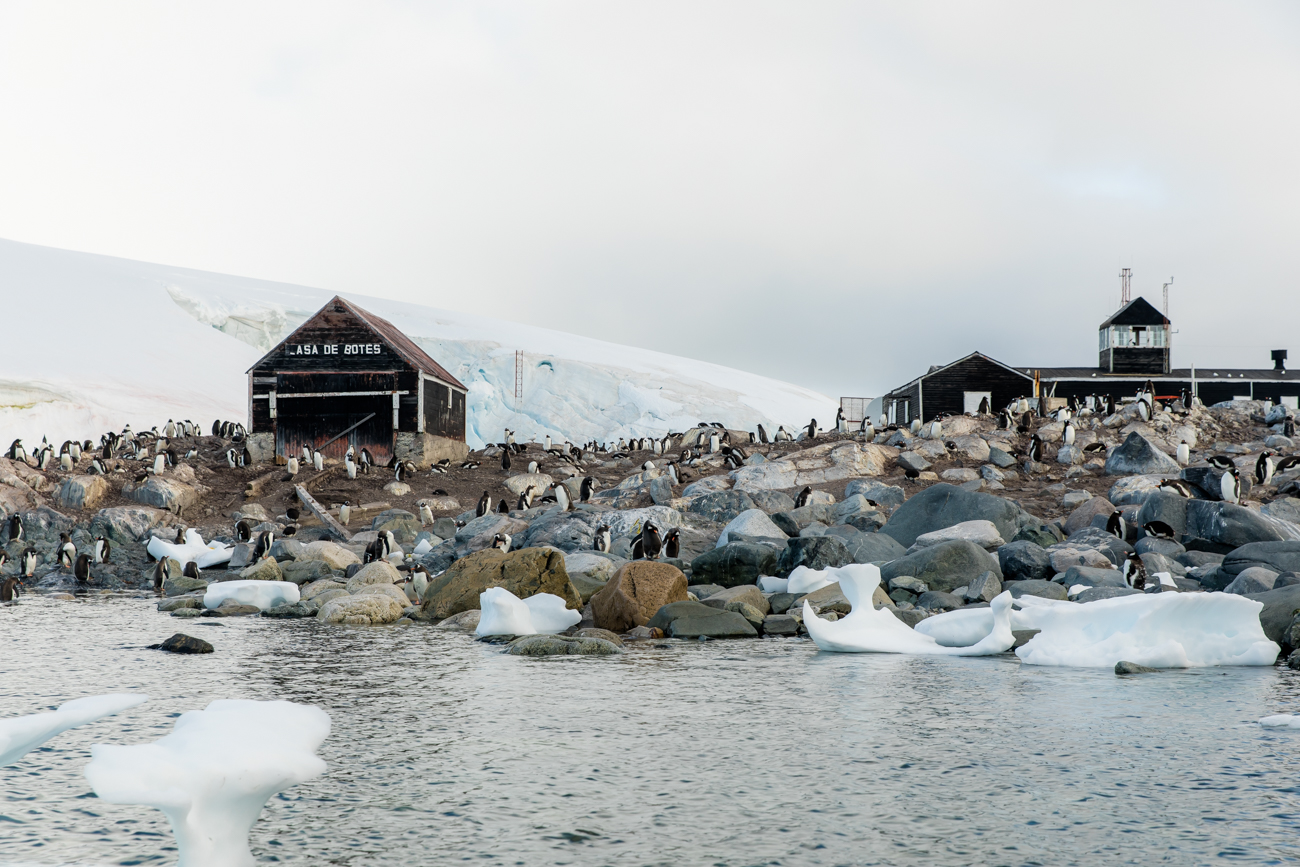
(1158,630)
(204,554)
(205,330)
(504,613)
(212,775)
(20,735)
(869,630)
(260,594)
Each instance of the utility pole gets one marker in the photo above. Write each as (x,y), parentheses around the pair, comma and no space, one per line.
(1125,288)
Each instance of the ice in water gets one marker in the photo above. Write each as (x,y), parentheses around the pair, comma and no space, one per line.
(263,594)
(20,735)
(213,774)
(504,613)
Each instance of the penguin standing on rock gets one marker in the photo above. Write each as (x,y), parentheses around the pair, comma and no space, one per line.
(588,486)
(673,544)
(505,459)
(802,499)
(762,434)
(1067,433)
(501,541)
(1184,453)
(1230,487)
(484,505)
(426,514)
(1221,462)
(159,574)
(81,569)
(812,431)
(103,550)
(601,542)
(1134,572)
(1035,449)
(1264,468)
(345,513)
(67,551)
(263,547)
(562,498)
(15,528)
(1116,525)
(27,562)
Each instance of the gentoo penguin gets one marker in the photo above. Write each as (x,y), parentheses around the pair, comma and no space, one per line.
(350,462)
(868,430)
(469,465)
(159,463)
(1090,448)
(417,581)
(588,486)
(812,435)
(648,465)
(1134,571)
(192,570)
(984,406)
(547,443)
(484,505)
(230,459)
(317,460)
(67,551)
(762,434)
(243,530)
(374,551)
(651,544)
(1264,468)
(27,562)
(1221,462)
(532,466)
(672,544)
(9,589)
(368,460)
(1022,406)
(1158,530)
(17,452)
(1288,427)
(65,462)
(1144,408)
(1035,449)
(159,574)
(601,541)
(505,459)
(263,547)
(400,471)
(103,550)
(1110,404)
(802,498)
(916,427)
(1177,486)
(503,508)
(1067,434)
(936,429)
(1286,463)
(715,442)
(98,467)
(1004,420)
(562,498)
(1117,526)
(1230,486)
(501,541)
(525,501)
(170,430)
(426,514)
(345,512)
(81,569)
(1184,453)
(15,528)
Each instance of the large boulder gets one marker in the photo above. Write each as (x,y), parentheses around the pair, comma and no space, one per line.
(982,533)
(945,566)
(265,569)
(568,531)
(943,505)
(1090,577)
(524,573)
(694,620)
(721,506)
(1255,579)
(635,593)
(562,645)
(797,520)
(163,493)
(305,571)
(630,521)
(972,448)
(1280,608)
(522,482)
(332,554)
(890,497)
(829,462)
(1083,514)
(772,501)
(402,524)
(81,492)
(1133,490)
(375,572)
(1167,507)
(867,547)
(752,523)
(1275,556)
(589,572)
(735,563)
(125,523)
(1227,526)
(815,552)
(1138,456)
(479,533)
(1024,561)
(364,609)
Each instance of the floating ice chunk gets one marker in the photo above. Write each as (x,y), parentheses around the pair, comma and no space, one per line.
(194,548)
(868,630)
(804,580)
(260,594)
(1158,630)
(421,549)
(504,613)
(771,584)
(965,626)
(213,774)
(22,734)
(1281,720)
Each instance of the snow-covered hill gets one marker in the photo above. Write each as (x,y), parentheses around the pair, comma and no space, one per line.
(91,343)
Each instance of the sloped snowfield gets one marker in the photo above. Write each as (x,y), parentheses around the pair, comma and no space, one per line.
(94,342)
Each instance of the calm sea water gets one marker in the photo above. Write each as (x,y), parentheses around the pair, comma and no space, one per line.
(445,751)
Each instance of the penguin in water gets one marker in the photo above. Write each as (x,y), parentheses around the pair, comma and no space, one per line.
(1134,571)
(1117,526)
(802,498)
(103,550)
(27,562)
(588,486)
(1184,453)
(501,541)
(9,589)
(601,541)
(81,569)
(345,513)
(15,528)
(1230,487)
(484,505)
(672,544)
(1264,468)
(67,551)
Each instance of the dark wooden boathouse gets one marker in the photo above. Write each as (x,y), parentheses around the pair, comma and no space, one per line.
(347,377)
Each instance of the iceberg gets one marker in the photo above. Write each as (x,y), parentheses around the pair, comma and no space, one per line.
(22,734)
(1281,720)
(804,580)
(867,629)
(260,594)
(194,548)
(504,613)
(213,774)
(965,626)
(1158,630)
(772,584)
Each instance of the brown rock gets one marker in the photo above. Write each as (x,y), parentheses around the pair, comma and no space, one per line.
(1082,516)
(525,573)
(635,593)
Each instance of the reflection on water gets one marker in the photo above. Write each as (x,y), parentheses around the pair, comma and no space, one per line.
(743,753)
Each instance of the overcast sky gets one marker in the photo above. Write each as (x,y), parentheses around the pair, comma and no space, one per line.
(837,194)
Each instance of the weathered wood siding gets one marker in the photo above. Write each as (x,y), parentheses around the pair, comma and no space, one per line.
(1150,360)
(444,411)
(943,391)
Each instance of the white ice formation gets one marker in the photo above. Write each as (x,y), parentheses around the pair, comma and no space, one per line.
(1281,720)
(260,594)
(805,580)
(204,554)
(207,329)
(504,613)
(213,774)
(867,629)
(22,734)
(1158,630)
(772,584)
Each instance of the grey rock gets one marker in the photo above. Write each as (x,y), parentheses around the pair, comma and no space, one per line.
(306,571)
(985,588)
(568,531)
(694,620)
(748,594)
(289,610)
(1229,526)
(1069,455)
(1083,513)
(1192,559)
(1000,458)
(1157,562)
(796,520)
(1093,594)
(121,524)
(1024,560)
(828,599)
(781,602)
(913,461)
(1287,579)
(1043,537)
(1255,579)
(990,473)
(1044,589)
(182,643)
(1115,549)
(402,524)
(1276,556)
(722,506)
(1133,490)
(561,645)
(780,624)
(1285,509)
(945,566)
(1165,547)
(1280,606)
(1089,577)
(444,528)
(180,585)
(935,600)
(1208,481)
(163,493)
(910,583)
(707,485)
(734,563)
(188,612)
(1022,637)
(179,602)
(942,505)
(661,490)
(478,533)
(853,507)
(1124,667)
(704,591)
(772,501)
(890,497)
(816,552)
(1138,456)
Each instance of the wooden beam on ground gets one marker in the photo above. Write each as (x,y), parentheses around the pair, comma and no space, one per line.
(320,512)
(254,488)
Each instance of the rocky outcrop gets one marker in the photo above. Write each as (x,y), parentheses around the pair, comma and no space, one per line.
(562,645)
(817,465)
(163,493)
(945,566)
(735,563)
(364,609)
(1139,456)
(524,573)
(815,552)
(331,553)
(940,506)
(694,620)
(635,593)
(81,492)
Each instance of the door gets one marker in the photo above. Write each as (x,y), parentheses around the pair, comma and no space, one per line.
(971,401)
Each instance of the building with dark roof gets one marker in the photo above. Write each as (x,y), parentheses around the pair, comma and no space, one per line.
(346,377)
(1134,347)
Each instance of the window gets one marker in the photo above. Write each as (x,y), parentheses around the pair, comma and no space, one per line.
(1144,336)
(1291,401)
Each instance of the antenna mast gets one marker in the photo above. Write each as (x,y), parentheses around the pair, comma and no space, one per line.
(1125,291)
(1165,289)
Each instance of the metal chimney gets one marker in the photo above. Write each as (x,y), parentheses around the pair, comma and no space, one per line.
(1279,359)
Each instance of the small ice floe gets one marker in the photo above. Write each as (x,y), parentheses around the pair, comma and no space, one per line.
(260,594)
(772,584)
(213,774)
(1281,721)
(22,734)
(504,613)
(869,630)
(194,548)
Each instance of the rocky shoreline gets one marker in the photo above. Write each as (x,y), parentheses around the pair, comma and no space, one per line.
(952,520)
